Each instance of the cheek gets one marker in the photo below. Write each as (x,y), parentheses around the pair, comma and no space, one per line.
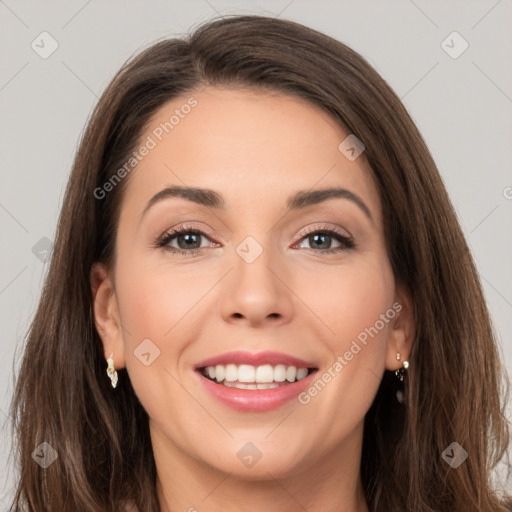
(355,303)
(155,298)
(350,298)
(154,304)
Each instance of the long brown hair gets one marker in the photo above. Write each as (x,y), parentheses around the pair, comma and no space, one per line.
(456,382)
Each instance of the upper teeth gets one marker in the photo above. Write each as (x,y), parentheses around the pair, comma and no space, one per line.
(249,373)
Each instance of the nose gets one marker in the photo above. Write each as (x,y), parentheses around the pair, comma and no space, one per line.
(258,292)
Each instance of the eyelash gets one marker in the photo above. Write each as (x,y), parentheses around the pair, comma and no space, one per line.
(348,242)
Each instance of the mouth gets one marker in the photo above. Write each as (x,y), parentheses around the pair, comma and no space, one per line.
(255,382)
(246,376)
(251,377)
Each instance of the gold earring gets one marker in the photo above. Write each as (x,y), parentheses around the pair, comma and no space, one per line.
(111,372)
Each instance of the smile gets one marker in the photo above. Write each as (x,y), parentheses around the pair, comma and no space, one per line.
(255,382)
(246,376)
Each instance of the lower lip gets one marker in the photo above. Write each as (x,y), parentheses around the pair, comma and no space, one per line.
(257,400)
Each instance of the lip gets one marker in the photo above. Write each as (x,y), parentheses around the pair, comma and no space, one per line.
(268,357)
(258,400)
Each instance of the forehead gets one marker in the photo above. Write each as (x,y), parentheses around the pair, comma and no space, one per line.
(253,147)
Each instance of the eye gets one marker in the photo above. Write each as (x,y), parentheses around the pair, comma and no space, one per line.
(321,240)
(187,239)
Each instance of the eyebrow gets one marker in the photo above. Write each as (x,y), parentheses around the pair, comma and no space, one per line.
(299,200)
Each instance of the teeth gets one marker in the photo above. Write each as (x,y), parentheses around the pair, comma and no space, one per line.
(280,373)
(220,371)
(246,373)
(231,373)
(246,376)
(301,373)
(264,373)
(240,385)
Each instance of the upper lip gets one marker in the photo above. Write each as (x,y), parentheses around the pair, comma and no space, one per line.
(257,359)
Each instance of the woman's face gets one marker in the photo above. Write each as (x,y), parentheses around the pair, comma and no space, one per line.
(266,264)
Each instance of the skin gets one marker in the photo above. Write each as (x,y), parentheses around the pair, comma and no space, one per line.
(256,149)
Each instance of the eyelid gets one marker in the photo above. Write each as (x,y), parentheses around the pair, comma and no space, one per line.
(325,227)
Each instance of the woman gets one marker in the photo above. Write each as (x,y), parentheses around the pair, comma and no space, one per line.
(259,297)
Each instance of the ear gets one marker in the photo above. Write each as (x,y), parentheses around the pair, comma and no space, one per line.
(402,330)
(106,314)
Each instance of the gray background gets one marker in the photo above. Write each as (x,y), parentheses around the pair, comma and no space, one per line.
(462,106)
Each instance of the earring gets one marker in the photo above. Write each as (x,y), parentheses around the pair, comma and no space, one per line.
(401,371)
(111,372)
(400,375)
